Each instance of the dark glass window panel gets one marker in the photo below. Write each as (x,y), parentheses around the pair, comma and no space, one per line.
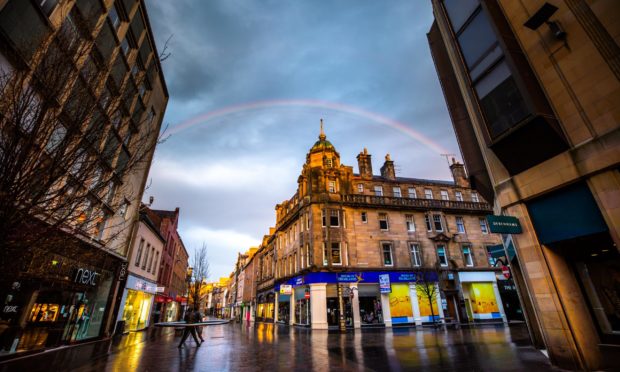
(437,222)
(119,70)
(145,51)
(137,25)
(24,26)
(128,4)
(121,164)
(333,219)
(105,42)
(387,254)
(459,11)
(110,149)
(90,10)
(48,6)
(114,17)
(503,107)
(477,39)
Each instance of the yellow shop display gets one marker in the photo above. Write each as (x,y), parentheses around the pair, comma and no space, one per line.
(400,303)
(483,298)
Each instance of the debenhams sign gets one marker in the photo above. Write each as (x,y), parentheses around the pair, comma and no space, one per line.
(504,224)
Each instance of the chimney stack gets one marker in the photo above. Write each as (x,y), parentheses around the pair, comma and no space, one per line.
(458,173)
(364,164)
(387,170)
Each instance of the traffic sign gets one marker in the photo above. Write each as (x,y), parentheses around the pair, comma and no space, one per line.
(506,272)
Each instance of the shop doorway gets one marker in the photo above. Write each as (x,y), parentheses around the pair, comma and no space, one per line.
(370,310)
(333,312)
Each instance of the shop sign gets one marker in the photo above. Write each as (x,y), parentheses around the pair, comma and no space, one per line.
(299,280)
(8,309)
(406,277)
(122,273)
(85,276)
(348,277)
(286,289)
(307,294)
(384,283)
(506,272)
(504,224)
(161,289)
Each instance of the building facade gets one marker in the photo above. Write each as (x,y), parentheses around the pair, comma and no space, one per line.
(172,268)
(65,292)
(139,294)
(381,250)
(533,90)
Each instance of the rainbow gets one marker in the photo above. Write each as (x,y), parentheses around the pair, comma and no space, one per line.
(258,105)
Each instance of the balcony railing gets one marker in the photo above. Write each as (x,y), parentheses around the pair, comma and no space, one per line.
(388,201)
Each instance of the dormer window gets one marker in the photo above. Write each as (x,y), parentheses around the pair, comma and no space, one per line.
(328,163)
(360,188)
(331,186)
(378,191)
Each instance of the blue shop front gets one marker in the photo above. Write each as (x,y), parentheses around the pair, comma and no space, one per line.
(370,298)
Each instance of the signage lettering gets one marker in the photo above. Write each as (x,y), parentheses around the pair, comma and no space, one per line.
(85,276)
(286,289)
(10,309)
(504,224)
(123,271)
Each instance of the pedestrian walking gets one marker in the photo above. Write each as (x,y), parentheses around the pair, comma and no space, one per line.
(198,319)
(190,317)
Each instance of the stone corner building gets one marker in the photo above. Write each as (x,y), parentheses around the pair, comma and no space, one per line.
(344,231)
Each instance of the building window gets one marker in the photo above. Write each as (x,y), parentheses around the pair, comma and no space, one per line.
(324,254)
(467,256)
(146,258)
(307,221)
(427,219)
(383,221)
(387,254)
(437,222)
(139,253)
(151,259)
(360,188)
(500,99)
(460,225)
(378,191)
(444,195)
(459,196)
(474,197)
(483,226)
(441,255)
(334,219)
(329,163)
(323,217)
(364,217)
(416,255)
(336,256)
(156,263)
(412,193)
(428,193)
(490,258)
(409,222)
(332,186)
(114,18)
(396,191)
(47,6)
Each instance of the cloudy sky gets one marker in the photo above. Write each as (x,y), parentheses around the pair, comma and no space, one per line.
(249,81)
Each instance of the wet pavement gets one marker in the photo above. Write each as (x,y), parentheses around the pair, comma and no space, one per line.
(269,347)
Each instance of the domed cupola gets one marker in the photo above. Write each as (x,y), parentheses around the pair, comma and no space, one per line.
(323,153)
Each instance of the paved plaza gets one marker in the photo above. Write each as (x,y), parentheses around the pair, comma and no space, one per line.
(269,347)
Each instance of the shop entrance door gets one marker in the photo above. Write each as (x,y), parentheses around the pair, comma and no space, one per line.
(333,311)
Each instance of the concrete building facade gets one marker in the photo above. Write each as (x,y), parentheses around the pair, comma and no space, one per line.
(533,90)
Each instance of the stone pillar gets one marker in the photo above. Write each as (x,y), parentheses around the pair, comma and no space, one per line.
(439,307)
(275,308)
(291,317)
(413,295)
(318,305)
(355,306)
(385,308)
(500,304)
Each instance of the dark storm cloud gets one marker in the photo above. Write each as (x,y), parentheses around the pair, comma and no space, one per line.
(228,173)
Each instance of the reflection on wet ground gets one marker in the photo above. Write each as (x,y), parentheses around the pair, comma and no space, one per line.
(263,346)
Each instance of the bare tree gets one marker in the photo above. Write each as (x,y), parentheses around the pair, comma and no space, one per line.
(426,284)
(199,276)
(71,143)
